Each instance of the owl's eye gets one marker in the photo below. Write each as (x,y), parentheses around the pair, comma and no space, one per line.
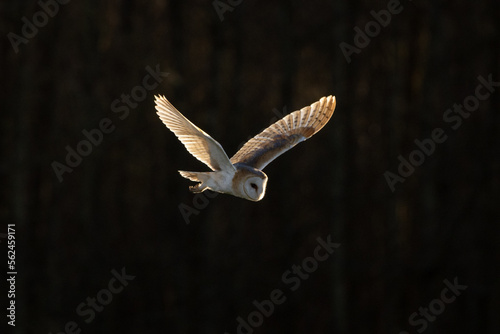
(253,185)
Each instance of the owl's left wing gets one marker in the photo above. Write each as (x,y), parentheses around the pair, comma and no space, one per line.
(292,129)
(197,142)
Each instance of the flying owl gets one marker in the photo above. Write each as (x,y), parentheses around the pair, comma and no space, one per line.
(242,175)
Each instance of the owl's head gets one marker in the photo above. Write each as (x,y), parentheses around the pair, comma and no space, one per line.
(252,182)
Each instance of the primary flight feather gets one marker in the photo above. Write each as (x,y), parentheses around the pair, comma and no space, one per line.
(242,175)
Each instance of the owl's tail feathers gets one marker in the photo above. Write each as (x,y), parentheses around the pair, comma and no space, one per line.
(197,177)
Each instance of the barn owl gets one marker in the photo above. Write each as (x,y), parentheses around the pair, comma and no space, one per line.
(242,175)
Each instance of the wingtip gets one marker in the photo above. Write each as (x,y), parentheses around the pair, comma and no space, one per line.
(161,102)
(331,100)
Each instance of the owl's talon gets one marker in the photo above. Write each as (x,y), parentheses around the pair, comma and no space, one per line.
(197,188)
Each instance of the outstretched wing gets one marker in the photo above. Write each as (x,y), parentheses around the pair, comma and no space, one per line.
(197,142)
(292,129)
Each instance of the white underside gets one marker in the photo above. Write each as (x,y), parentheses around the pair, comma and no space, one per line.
(221,181)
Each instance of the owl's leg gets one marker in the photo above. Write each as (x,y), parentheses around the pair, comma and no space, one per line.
(202,177)
(198,188)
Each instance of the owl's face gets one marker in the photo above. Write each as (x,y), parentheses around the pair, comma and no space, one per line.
(254,187)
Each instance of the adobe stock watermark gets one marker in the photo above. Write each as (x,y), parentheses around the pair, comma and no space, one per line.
(201,200)
(29,29)
(221,7)
(94,137)
(436,306)
(454,118)
(292,278)
(372,29)
(92,305)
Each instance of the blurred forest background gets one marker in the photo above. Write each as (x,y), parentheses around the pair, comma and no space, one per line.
(232,73)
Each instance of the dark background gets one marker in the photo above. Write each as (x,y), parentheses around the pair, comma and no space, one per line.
(119,207)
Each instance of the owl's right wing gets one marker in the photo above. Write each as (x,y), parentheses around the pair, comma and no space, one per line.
(292,129)
(197,142)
